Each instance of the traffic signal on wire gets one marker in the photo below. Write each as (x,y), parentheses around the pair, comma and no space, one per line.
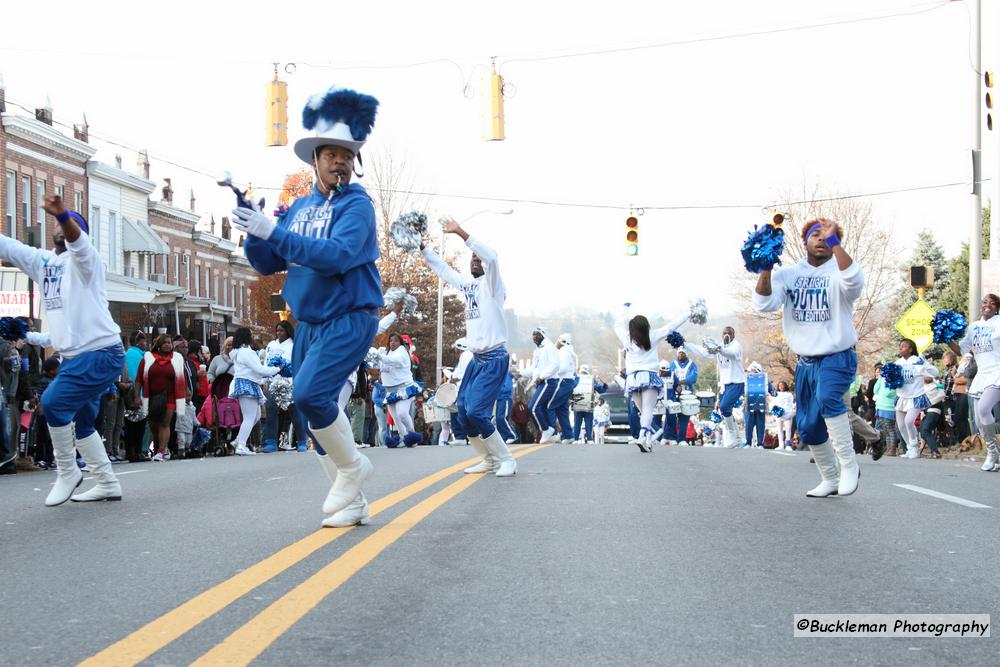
(632,234)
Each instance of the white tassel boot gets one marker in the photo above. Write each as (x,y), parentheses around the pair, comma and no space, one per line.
(843,445)
(68,475)
(107,487)
(506,463)
(489,462)
(353,469)
(992,462)
(826,461)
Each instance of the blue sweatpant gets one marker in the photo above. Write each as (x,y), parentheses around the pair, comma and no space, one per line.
(324,356)
(681,427)
(731,393)
(754,421)
(820,385)
(634,424)
(539,400)
(586,420)
(557,410)
(75,394)
(457,430)
(501,415)
(480,388)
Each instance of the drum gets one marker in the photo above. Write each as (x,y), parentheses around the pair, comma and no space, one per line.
(690,404)
(706,398)
(434,413)
(583,395)
(659,408)
(673,407)
(446,395)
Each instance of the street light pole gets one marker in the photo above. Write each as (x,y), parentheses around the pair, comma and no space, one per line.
(440,303)
(975,241)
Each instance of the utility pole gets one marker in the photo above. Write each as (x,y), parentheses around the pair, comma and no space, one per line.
(975,242)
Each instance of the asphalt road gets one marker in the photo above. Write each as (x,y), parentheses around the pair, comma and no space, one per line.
(589,556)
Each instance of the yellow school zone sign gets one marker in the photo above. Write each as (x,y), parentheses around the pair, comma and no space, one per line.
(915,324)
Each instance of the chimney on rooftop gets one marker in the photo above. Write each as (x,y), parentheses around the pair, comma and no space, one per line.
(168,192)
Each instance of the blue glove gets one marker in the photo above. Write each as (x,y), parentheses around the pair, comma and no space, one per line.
(251,221)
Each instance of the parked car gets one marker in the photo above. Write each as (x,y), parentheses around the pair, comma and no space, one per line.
(615,398)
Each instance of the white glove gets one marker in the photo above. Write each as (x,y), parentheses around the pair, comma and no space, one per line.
(251,221)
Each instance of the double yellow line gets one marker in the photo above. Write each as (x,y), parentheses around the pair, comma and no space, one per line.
(251,639)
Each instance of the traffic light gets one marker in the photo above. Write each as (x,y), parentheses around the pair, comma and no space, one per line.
(632,234)
(989,79)
(495,123)
(276,130)
(921,276)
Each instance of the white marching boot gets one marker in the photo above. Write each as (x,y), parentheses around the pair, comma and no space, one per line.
(548,435)
(732,438)
(992,462)
(843,446)
(107,487)
(355,514)
(68,475)
(826,461)
(489,462)
(506,463)
(353,469)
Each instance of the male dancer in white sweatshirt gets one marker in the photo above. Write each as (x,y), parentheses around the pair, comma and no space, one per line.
(85,335)
(818,296)
(729,359)
(486,337)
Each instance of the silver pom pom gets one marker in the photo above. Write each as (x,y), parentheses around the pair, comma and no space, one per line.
(712,346)
(407,230)
(395,294)
(372,358)
(699,311)
(281,391)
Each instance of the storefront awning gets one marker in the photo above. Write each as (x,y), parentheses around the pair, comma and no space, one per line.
(122,289)
(138,237)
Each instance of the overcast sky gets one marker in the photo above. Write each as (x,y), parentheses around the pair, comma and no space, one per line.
(857,107)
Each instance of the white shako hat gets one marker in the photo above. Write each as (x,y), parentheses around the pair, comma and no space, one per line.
(338,117)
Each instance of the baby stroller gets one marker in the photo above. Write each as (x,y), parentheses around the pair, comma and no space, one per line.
(221,415)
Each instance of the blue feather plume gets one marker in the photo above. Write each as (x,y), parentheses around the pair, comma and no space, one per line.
(763,248)
(893,375)
(777,411)
(342,105)
(13,328)
(948,326)
(675,339)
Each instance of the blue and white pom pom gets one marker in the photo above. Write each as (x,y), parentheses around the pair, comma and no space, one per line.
(777,411)
(716,417)
(893,375)
(279,361)
(675,339)
(407,230)
(948,326)
(763,248)
(699,311)
(13,328)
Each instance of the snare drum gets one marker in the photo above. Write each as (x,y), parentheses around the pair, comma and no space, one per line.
(434,413)
(706,398)
(446,395)
(659,408)
(690,404)
(673,407)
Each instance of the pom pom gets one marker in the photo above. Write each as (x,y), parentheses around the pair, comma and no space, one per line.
(711,345)
(699,311)
(396,294)
(777,411)
(716,417)
(893,375)
(372,358)
(407,230)
(281,391)
(763,248)
(675,339)
(707,431)
(948,326)
(280,213)
(279,361)
(13,328)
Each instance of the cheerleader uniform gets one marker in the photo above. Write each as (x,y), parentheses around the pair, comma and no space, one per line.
(983,340)
(911,399)
(400,390)
(248,374)
(642,380)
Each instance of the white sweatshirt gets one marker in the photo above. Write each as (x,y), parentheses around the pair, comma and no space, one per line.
(73,293)
(729,361)
(567,363)
(545,361)
(636,358)
(464,360)
(818,305)
(914,370)
(385,323)
(485,326)
(395,367)
(247,366)
(983,340)
(283,350)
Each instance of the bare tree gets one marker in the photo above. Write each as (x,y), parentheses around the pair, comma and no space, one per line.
(869,243)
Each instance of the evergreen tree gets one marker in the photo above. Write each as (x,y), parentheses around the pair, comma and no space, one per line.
(929,253)
(956,296)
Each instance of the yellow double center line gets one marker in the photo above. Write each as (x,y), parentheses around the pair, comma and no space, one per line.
(254,637)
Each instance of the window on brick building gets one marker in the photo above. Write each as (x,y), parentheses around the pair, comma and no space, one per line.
(61,190)
(225,291)
(26,197)
(40,203)
(10,215)
(208,282)
(177,268)
(78,201)
(197,281)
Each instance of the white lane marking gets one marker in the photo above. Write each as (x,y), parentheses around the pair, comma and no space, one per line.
(943,496)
